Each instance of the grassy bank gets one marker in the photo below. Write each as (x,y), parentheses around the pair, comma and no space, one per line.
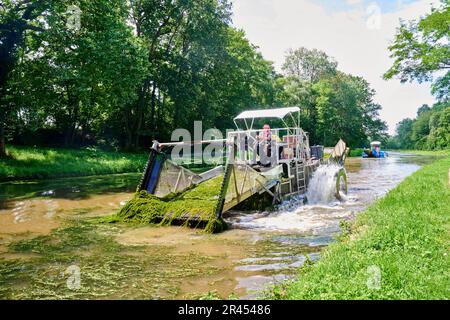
(425,152)
(356,153)
(397,249)
(44,163)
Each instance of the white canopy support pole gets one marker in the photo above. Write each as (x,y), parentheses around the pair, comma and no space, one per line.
(296,124)
(285,123)
(235,123)
(246,125)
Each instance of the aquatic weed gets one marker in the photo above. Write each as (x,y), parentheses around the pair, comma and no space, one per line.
(195,207)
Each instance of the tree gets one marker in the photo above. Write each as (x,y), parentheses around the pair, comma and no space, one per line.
(132,70)
(295,92)
(346,110)
(439,137)
(159,25)
(309,65)
(243,79)
(333,104)
(186,43)
(422,109)
(421,51)
(200,68)
(16,18)
(80,76)
(136,70)
(421,129)
(429,130)
(404,131)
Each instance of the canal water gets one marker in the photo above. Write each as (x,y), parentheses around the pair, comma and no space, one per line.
(260,249)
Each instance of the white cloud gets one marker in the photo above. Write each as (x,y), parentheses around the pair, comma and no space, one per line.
(277,25)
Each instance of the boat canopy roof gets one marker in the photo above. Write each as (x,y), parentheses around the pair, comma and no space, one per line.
(279,113)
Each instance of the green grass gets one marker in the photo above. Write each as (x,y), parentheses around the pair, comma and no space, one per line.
(354,153)
(425,152)
(44,163)
(357,152)
(404,235)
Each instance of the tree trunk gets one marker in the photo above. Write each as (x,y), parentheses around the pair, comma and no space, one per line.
(2,140)
(159,115)
(128,129)
(141,106)
(72,137)
(128,139)
(153,108)
(13,32)
(68,138)
(74,108)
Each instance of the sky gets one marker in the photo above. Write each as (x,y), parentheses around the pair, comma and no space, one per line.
(356,33)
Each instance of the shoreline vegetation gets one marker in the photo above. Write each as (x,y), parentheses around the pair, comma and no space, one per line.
(423,152)
(29,163)
(396,249)
(38,163)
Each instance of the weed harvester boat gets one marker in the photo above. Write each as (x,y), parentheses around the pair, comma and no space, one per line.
(261,168)
(374,151)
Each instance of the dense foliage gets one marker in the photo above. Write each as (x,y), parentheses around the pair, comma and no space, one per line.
(334,104)
(421,51)
(119,74)
(430,130)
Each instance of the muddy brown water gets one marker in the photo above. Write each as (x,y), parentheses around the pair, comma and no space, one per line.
(261,248)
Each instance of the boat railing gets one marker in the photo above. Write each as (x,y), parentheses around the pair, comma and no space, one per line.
(290,144)
(286,145)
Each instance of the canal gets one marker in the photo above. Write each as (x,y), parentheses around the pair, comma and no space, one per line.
(46,232)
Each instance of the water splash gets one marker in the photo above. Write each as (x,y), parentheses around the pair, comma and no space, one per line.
(321,208)
(291,203)
(322,187)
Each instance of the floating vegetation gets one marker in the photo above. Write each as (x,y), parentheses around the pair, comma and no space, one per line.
(107,269)
(195,207)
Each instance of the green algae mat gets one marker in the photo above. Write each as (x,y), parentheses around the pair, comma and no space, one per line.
(195,207)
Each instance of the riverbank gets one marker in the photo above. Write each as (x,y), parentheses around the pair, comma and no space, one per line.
(43,163)
(397,249)
(424,152)
(357,152)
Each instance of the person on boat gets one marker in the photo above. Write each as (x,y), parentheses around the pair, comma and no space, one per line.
(265,137)
(376,151)
(264,142)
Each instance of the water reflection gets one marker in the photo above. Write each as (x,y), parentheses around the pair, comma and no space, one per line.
(68,188)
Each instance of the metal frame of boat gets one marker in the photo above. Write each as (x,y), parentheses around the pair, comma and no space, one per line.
(286,173)
(292,140)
